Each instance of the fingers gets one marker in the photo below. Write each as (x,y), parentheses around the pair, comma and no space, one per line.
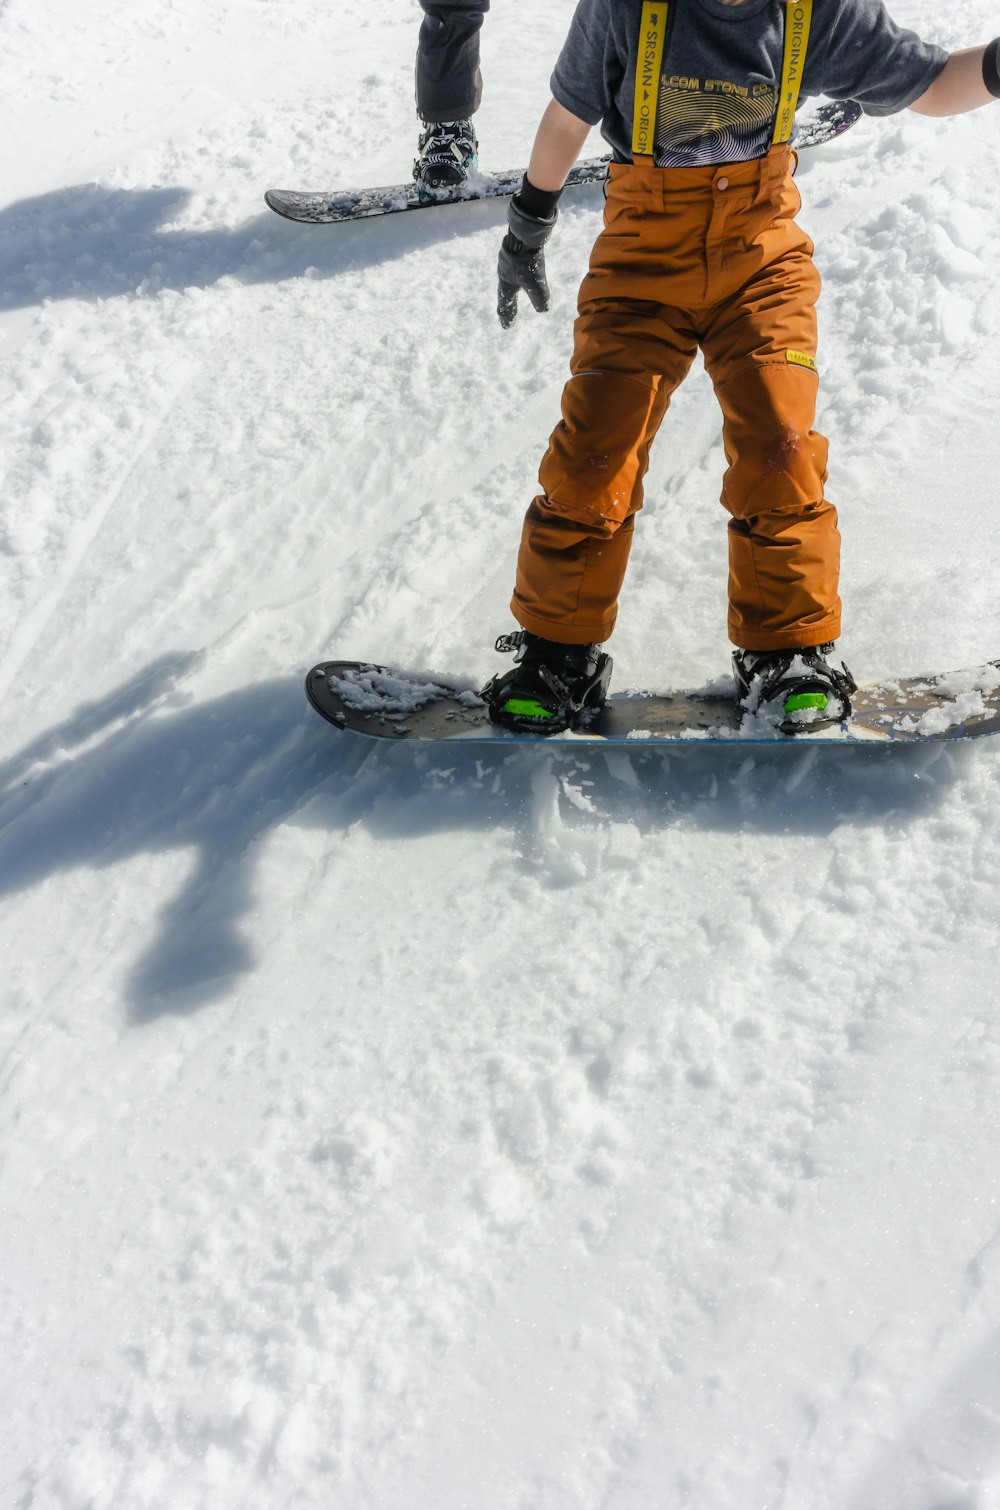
(537,289)
(518,274)
(507,305)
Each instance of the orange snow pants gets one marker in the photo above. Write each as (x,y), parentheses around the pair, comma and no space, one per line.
(688,258)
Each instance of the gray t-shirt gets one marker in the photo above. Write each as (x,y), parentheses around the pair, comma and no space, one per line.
(721,72)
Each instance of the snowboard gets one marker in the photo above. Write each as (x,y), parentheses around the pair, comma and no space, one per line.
(386,703)
(819,126)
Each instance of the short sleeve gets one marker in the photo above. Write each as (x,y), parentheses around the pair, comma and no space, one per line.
(580,80)
(876,62)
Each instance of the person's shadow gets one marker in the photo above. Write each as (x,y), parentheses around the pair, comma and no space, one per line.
(143,772)
(93,242)
(146,770)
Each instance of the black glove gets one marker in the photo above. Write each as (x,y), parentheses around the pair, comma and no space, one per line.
(531,216)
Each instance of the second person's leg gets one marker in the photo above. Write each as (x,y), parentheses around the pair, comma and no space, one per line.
(449,88)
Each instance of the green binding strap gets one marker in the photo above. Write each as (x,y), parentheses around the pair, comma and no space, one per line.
(800,702)
(526,707)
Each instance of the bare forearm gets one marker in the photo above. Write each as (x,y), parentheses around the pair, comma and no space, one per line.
(958,87)
(557,146)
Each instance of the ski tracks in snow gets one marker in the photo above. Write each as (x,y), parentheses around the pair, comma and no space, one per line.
(431,1128)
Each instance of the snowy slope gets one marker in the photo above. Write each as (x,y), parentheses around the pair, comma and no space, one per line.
(532,1132)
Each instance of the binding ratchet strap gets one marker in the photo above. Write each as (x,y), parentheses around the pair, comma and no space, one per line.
(798,19)
(648,67)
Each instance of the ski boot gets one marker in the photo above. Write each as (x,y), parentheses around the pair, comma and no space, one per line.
(799,687)
(551,688)
(447,154)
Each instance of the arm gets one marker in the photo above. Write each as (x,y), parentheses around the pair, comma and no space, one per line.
(558,141)
(961,84)
(532,212)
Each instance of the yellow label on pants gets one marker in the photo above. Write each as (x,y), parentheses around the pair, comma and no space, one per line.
(802,359)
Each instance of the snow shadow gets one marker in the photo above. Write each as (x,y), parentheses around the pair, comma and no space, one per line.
(92,242)
(560,803)
(952,1437)
(148,770)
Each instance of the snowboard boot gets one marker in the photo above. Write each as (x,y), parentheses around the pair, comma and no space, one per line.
(447,154)
(799,688)
(551,688)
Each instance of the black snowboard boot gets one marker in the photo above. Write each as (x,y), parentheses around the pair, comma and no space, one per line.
(551,688)
(798,687)
(447,154)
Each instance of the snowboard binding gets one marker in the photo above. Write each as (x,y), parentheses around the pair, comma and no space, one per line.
(800,687)
(447,154)
(551,688)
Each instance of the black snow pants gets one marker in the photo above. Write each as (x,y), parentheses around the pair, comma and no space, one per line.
(449,84)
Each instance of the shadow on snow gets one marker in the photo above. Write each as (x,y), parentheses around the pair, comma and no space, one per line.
(92,242)
(145,771)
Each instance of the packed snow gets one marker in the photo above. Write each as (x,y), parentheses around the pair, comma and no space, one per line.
(428,1129)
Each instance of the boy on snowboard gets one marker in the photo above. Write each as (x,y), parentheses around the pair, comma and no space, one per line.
(699,250)
(449,89)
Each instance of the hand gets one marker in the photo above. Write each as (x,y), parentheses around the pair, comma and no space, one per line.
(522,262)
(520,267)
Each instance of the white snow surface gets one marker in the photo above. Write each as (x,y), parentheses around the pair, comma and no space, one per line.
(431,1129)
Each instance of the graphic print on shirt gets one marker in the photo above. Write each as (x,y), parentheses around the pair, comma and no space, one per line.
(702,121)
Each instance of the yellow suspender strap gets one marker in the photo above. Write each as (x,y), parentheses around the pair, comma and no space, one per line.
(652,37)
(798,18)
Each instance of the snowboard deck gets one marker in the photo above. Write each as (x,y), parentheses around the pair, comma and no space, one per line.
(386,703)
(819,126)
(362,204)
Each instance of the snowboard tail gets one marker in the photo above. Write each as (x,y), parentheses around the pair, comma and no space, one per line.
(386,703)
(829,120)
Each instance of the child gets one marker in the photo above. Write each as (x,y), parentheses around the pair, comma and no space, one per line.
(449,88)
(699,250)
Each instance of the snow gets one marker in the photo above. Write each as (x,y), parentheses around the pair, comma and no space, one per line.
(528,1129)
(388,694)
